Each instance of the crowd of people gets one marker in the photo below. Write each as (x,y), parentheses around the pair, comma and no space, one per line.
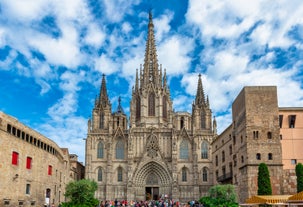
(149,203)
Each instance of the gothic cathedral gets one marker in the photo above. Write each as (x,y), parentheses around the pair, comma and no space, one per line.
(157,152)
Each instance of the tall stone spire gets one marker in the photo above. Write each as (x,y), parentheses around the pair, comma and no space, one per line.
(103,98)
(200,98)
(151,71)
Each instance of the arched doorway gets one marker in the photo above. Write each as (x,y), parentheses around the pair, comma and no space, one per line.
(152,187)
(152,180)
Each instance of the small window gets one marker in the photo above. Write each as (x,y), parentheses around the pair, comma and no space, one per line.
(184,175)
(100,174)
(28,189)
(269,135)
(241,139)
(204,175)
(281,137)
(292,121)
(255,134)
(234,140)
(223,156)
(15,156)
(258,156)
(242,159)
(120,176)
(182,123)
(269,156)
(28,163)
(230,150)
(280,120)
(293,161)
(49,171)
(216,160)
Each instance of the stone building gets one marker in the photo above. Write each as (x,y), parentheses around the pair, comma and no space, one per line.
(251,139)
(34,170)
(77,170)
(162,152)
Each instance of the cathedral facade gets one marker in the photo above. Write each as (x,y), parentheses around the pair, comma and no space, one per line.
(157,152)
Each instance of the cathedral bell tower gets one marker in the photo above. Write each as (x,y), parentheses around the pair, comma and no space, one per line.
(151,105)
(101,116)
(201,113)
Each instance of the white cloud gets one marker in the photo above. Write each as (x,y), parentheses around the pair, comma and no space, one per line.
(162,26)
(94,37)
(174,54)
(63,51)
(64,107)
(106,65)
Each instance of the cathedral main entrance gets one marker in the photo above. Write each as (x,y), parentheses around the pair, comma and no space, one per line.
(152,193)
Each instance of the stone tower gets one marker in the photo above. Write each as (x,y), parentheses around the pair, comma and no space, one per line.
(161,152)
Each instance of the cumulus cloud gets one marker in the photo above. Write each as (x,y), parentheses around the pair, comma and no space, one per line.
(174,52)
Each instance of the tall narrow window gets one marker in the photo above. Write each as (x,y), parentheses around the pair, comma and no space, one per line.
(100,174)
(184,174)
(256,134)
(15,156)
(120,150)
(28,189)
(184,150)
(269,156)
(182,122)
(204,174)
(120,176)
(164,103)
(151,104)
(203,121)
(216,160)
(50,170)
(102,120)
(138,108)
(100,150)
(28,163)
(292,121)
(280,120)
(223,156)
(204,150)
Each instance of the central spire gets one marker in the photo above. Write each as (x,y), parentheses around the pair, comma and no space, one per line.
(151,68)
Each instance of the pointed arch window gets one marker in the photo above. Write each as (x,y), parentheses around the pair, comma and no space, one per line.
(204,174)
(184,149)
(182,122)
(184,174)
(204,150)
(164,100)
(101,121)
(120,150)
(151,104)
(100,150)
(203,120)
(119,174)
(138,108)
(100,174)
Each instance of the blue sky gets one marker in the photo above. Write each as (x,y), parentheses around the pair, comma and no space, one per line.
(53,54)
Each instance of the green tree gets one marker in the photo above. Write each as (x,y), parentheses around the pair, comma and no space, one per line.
(264,186)
(81,194)
(221,196)
(299,174)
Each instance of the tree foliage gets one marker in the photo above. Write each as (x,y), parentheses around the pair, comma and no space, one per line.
(81,193)
(299,174)
(221,196)
(264,186)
